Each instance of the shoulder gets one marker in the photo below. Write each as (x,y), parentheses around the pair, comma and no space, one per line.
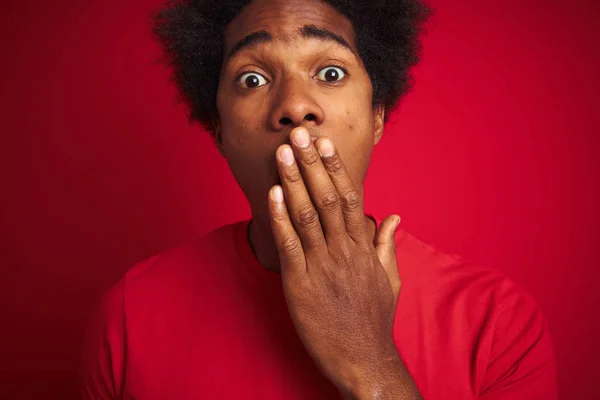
(454,284)
(200,256)
(423,266)
(479,308)
(153,292)
(167,277)
(452,275)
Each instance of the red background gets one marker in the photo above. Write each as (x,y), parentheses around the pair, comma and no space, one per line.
(492,156)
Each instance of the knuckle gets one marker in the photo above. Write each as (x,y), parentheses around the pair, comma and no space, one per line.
(310,158)
(279,218)
(334,165)
(291,175)
(307,216)
(290,244)
(351,201)
(328,201)
(346,257)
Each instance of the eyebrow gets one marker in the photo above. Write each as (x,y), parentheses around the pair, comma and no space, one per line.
(312,32)
(307,32)
(250,40)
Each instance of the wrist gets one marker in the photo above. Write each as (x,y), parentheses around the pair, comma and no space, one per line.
(388,380)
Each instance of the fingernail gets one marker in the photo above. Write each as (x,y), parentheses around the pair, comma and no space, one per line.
(287,156)
(301,138)
(326,148)
(277,194)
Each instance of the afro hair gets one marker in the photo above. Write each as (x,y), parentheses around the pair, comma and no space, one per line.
(191,34)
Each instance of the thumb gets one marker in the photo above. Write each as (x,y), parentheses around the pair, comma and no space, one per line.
(385,246)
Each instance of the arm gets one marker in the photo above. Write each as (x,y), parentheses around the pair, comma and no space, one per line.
(391,381)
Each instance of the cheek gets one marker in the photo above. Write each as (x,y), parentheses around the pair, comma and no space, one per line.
(236,128)
(238,121)
(357,113)
(247,151)
(354,141)
(250,157)
(357,140)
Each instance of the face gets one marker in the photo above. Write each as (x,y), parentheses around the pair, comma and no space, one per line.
(289,64)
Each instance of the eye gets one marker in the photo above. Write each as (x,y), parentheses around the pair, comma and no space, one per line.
(331,74)
(251,80)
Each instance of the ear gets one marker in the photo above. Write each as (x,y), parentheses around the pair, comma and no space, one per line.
(379,118)
(218,136)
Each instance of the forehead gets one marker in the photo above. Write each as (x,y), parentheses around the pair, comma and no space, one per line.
(283,18)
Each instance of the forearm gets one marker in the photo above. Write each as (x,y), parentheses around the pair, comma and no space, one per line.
(389,380)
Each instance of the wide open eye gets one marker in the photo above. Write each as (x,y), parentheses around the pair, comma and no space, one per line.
(331,74)
(251,80)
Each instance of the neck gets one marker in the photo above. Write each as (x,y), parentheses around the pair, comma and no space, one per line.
(261,241)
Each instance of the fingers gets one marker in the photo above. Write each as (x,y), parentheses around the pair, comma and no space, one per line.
(289,246)
(301,211)
(321,199)
(350,199)
(323,193)
(385,246)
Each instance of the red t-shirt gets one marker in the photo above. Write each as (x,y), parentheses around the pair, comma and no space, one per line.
(207,321)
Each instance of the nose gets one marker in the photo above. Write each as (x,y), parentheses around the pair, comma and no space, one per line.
(295,106)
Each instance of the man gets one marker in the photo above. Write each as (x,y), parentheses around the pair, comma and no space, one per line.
(303,301)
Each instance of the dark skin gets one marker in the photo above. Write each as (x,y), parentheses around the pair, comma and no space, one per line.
(300,77)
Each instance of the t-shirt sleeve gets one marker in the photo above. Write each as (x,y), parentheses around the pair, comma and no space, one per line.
(522,364)
(103,353)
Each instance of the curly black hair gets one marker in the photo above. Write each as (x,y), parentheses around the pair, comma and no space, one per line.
(191,34)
